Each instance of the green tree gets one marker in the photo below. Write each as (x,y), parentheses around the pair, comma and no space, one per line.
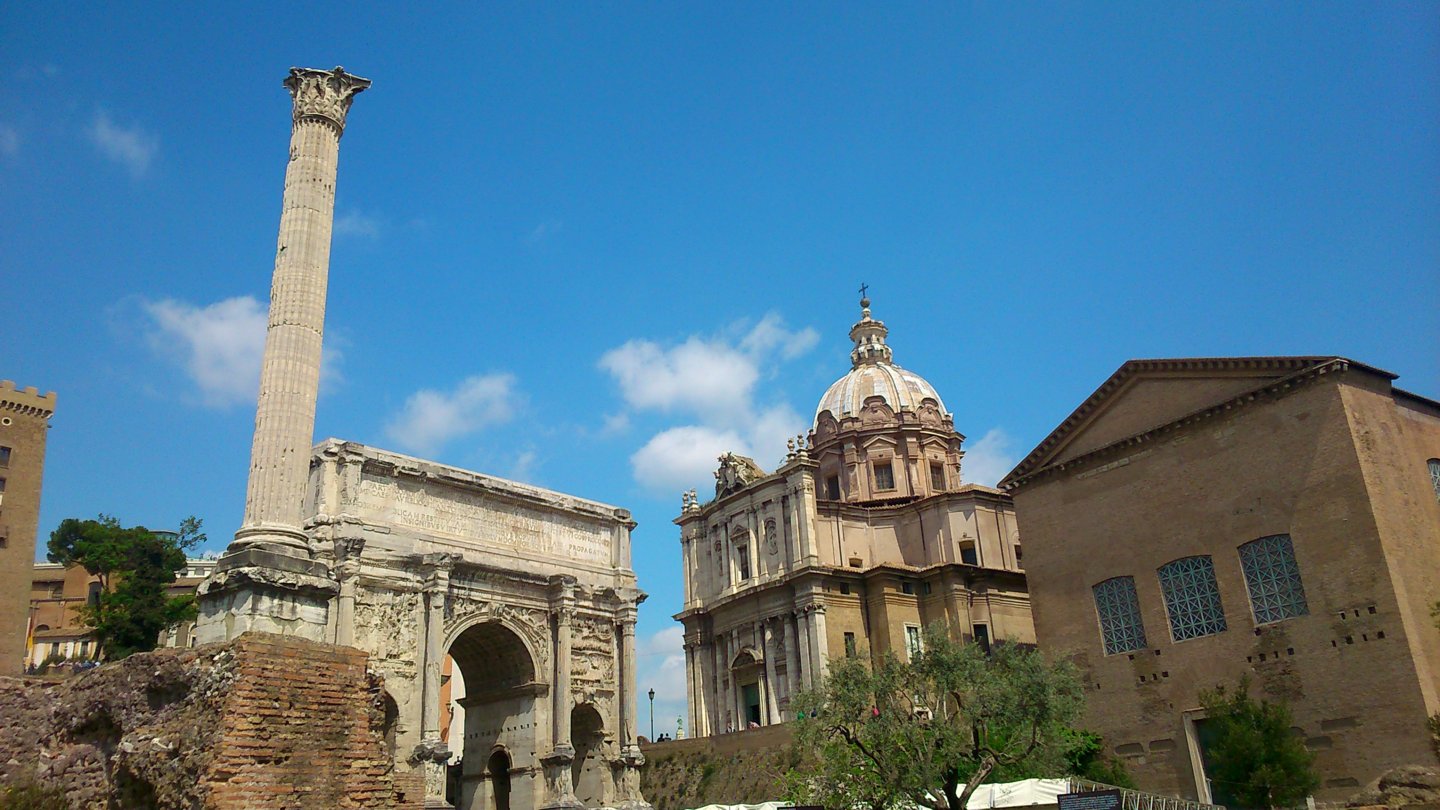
(1085,757)
(932,729)
(1252,754)
(135,567)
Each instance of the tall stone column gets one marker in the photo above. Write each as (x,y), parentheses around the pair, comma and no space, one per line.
(290,371)
(432,754)
(560,785)
(268,580)
(347,574)
(802,625)
(822,646)
(630,796)
(772,696)
(792,656)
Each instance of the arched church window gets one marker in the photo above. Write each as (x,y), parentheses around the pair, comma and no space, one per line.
(1434,465)
(1273,579)
(1118,607)
(1192,598)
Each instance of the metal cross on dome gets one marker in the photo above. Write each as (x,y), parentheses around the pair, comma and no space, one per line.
(863,288)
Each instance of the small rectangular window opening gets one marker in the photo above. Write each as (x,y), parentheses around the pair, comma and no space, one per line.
(832,488)
(744,559)
(913,645)
(4,456)
(908,587)
(937,476)
(884,475)
(849,645)
(982,636)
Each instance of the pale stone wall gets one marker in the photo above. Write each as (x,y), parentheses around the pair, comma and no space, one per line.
(529,591)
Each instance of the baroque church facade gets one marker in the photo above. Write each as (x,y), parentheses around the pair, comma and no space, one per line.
(865,534)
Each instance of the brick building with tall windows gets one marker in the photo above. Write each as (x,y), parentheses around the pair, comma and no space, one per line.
(1198,520)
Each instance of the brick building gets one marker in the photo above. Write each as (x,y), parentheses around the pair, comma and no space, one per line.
(1198,520)
(56,592)
(865,534)
(24,424)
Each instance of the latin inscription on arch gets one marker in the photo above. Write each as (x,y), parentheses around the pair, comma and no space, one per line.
(482,521)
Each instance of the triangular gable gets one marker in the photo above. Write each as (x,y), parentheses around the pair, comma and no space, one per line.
(1146,394)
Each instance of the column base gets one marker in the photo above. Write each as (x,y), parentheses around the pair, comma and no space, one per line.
(263,590)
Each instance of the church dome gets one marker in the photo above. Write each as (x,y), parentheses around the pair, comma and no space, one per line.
(873,374)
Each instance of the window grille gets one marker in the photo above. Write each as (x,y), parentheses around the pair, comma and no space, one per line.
(1120,626)
(1192,599)
(1273,579)
(1434,464)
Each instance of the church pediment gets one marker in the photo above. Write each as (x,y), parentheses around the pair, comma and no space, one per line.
(1146,394)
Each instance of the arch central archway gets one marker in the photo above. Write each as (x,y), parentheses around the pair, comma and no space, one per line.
(496,692)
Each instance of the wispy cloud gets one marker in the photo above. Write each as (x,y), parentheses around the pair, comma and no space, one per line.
(131,147)
(544,231)
(989,459)
(431,419)
(220,346)
(9,141)
(710,382)
(355,223)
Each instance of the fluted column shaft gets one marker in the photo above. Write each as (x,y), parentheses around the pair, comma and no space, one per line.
(290,368)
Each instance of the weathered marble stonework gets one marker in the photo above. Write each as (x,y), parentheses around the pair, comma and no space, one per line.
(529,591)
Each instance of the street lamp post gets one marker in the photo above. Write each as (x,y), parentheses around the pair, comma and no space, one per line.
(652,715)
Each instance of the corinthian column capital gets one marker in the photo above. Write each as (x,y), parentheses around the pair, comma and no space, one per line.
(323,94)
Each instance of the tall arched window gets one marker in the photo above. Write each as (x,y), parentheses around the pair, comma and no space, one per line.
(1119,611)
(1192,599)
(1273,579)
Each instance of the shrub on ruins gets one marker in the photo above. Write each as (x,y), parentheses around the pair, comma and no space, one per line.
(31,795)
(136,567)
(1251,754)
(1085,757)
(932,729)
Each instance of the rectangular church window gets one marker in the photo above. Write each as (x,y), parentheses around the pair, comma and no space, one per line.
(937,476)
(743,558)
(884,475)
(849,645)
(4,457)
(913,645)
(832,487)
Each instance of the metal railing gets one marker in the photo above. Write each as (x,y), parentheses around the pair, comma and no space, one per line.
(1131,799)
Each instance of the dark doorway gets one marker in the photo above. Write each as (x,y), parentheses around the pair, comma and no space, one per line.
(499,770)
(751,696)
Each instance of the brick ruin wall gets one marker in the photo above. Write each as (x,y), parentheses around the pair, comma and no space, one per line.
(261,722)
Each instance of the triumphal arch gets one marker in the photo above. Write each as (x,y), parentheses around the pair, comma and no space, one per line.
(529,592)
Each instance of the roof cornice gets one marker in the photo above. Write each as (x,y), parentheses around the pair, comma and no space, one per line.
(1303,371)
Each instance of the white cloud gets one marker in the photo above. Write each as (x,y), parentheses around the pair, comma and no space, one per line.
(712,381)
(354,223)
(681,457)
(431,419)
(989,459)
(662,668)
(9,141)
(770,334)
(524,467)
(131,147)
(219,345)
(615,424)
(708,377)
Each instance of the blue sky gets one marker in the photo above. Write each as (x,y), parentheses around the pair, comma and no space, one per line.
(585,245)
